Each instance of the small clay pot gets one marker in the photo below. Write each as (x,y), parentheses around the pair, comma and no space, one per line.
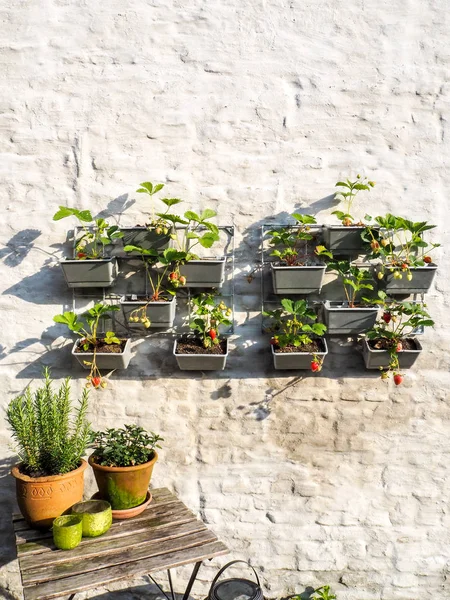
(67,531)
(123,487)
(96,516)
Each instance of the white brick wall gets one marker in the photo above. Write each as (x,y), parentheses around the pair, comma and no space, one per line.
(255,109)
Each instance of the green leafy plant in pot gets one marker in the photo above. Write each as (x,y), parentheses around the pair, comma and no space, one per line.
(123,461)
(297,341)
(51,435)
(94,351)
(390,345)
(162,284)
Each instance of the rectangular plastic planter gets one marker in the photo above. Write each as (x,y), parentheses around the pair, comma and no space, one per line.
(161,314)
(422,278)
(200,362)
(101,272)
(145,238)
(105,360)
(344,241)
(374,359)
(297,280)
(296,360)
(204,273)
(340,319)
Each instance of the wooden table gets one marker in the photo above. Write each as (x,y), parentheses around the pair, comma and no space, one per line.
(166,535)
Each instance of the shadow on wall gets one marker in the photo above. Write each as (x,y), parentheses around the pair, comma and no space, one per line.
(18,247)
(8,495)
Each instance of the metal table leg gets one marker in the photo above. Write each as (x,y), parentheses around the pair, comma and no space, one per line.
(169,575)
(192,580)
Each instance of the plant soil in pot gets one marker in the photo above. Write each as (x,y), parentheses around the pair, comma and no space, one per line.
(297,280)
(100,272)
(192,356)
(376,353)
(341,319)
(204,273)
(160,313)
(290,357)
(107,356)
(128,456)
(51,437)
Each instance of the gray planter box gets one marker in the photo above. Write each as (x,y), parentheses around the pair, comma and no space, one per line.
(200,362)
(344,241)
(204,273)
(145,238)
(422,278)
(340,319)
(161,314)
(297,280)
(100,272)
(296,360)
(105,360)
(374,359)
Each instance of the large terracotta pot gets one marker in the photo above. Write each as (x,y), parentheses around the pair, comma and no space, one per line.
(123,487)
(42,499)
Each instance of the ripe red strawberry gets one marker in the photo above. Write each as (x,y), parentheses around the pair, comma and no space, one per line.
(315,366)
(387,317)
(81,255)
(173,276)
(273,341)
(427,259)
(212,334)
(96,381)
(398,379)
(399,347)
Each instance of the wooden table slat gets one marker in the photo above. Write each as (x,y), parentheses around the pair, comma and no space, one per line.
(90,547)
(79,583)
(149,519)
(158,499)
(77,566)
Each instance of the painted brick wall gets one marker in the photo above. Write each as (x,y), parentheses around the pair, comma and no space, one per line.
(253,108)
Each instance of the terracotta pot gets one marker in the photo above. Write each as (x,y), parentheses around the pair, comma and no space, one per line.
(42,499)
(123,487)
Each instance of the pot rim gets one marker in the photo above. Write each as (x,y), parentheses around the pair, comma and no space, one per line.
(276,265)
(128,342)
(206,259)
(95,465)
(328,306)
(88,260)
(201,355)
(123,300)
(15,472)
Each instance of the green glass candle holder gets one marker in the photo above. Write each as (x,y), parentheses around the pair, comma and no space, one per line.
(67,531)
(96,516)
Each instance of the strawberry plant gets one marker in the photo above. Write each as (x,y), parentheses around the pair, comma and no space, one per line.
(96,233)
(162,284)
(323,593)
(197,230)
(294,326)
(399,321)
(399,244)
(125,447)
(291,243)
(354,280)
(158,222)
(208,316)
(87,329)
(348,193)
